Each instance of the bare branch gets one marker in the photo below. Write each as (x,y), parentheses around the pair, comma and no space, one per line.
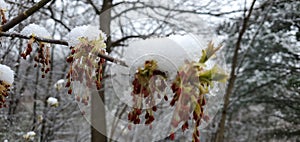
(60,42)
(53,41)
(98,12)
(220,133)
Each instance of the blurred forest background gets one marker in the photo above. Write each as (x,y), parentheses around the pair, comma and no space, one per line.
(263,106)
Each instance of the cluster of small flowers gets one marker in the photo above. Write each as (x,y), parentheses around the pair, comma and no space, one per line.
(145,87)
(4,88)
(189,94)
(190,86)
(85,64)
(6,80)
(41,58)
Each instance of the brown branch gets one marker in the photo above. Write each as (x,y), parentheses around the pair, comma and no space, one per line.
(221,129)
(21,17)
(98,12)
(53,41)
(119,41)
(60,42)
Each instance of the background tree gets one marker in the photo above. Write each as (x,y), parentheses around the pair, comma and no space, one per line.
(264,101)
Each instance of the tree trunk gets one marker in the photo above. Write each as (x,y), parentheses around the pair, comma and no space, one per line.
(98,108)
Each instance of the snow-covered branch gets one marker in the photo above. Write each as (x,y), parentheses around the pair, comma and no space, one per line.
(24,15)
(60,42)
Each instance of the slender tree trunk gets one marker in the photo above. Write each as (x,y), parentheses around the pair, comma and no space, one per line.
(98,108)
(220,133)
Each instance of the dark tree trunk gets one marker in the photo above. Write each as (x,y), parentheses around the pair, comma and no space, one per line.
(98,108)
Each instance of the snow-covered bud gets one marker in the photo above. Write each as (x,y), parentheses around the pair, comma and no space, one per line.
(29,135)
(6,80)
(52,101)
(42,56)
(86,43)
(59,84)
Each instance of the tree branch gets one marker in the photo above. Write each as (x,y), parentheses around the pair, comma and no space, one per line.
(98,12)
(53,41)
(60,42)
(21,17)
(220,133)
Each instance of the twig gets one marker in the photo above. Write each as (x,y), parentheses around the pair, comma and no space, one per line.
(220,133)
(21,17)
(53,41)
(60,42)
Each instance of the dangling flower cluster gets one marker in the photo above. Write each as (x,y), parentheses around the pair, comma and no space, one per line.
(4,88)
(42,57)
(148,84)
(3,8)
(6,80)
(85,64)
(190,86)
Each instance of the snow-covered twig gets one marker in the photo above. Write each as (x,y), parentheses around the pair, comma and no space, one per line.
(24,15)
(53,41)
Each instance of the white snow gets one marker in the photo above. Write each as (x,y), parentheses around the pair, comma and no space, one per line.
(29,135)
(170,54)
(6,74)
(87,31)
(34,29)
(3,4)
(52,101)
(59,84)
(170,51)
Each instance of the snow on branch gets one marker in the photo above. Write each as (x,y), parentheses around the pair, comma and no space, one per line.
(59,42)
(24,15)
(35,30)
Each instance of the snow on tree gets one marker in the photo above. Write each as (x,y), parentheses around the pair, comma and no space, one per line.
(52,101)
(6,80)
(35,30)
(86,43)
(29,136)
(59,84)
(86,31)
(42,57)
(163,57)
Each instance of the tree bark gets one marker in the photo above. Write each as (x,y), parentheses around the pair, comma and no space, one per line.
(98,107)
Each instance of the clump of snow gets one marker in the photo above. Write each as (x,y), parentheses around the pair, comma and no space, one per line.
(3,4)
(36,30)
(6,74)
(87,31)
(52,101)
(29,135)
(59,84)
